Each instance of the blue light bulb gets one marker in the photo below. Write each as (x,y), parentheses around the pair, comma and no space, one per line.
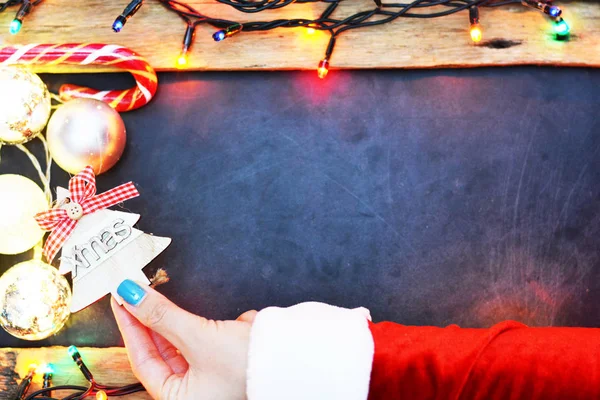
(15,26)
(554,11)
(117,26)
(219,35)
(119,23)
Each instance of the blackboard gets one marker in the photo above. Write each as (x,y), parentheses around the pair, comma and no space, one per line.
(430,197)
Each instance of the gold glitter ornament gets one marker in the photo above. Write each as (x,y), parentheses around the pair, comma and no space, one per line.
(34,300)
(24,105)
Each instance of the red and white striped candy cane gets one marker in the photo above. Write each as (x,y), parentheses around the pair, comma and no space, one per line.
(90,54)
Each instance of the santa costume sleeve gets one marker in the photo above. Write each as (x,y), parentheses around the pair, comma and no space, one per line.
(314,351)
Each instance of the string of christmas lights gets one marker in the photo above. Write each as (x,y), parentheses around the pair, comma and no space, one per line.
(383,13)
(101,392)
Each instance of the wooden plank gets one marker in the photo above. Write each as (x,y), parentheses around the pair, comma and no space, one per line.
(110,366)
(513,35)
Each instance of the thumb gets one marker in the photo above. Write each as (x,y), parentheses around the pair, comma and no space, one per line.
(159,314)
(248,316)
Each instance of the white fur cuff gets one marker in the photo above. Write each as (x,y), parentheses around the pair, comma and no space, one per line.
(311,351)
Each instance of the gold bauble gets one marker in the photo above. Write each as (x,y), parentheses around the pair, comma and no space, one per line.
(24,105)
(86,132)
(34,300)
(20,200)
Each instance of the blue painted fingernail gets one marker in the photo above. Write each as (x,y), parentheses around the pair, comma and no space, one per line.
(131,292)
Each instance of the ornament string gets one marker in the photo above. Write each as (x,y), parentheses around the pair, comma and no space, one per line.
(56,98)
(43,173)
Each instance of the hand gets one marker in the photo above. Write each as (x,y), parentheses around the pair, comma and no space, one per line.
(177,355)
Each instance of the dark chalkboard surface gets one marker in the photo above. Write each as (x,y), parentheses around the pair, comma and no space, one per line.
(430,197)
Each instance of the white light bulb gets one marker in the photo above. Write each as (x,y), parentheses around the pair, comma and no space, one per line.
(20,200)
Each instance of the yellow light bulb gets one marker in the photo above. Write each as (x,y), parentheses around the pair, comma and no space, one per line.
(476,33)
(20,200)
(310,31)
(182,61)
(101,395)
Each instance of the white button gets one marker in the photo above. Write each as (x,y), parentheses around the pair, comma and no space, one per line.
(74,210)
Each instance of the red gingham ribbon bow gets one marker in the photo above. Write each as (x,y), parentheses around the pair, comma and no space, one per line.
(83,192)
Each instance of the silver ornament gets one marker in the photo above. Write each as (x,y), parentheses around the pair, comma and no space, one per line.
(86,132)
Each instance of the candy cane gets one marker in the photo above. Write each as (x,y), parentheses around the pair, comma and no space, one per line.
(90,54)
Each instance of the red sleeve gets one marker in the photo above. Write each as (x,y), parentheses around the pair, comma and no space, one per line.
(509,361)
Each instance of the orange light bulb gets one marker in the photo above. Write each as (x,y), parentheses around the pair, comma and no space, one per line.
(476,33)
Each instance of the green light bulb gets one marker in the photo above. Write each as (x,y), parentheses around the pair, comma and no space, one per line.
(561,28)
(15,26)
(73,352)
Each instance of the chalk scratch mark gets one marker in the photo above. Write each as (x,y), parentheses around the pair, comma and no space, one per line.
(565,207)
(375,213)
(362,202)
(389,177)
(519,186)
(239,175)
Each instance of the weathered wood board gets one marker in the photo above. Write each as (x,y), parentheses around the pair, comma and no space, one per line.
(110,366)
(513,35)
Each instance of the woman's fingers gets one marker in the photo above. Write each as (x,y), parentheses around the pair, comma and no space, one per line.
(184,330)
(144,356)
(169,354)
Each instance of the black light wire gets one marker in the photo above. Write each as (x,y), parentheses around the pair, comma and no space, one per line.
(325,21)
(10,3)
(81,392)
(383,13)
(359,20)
